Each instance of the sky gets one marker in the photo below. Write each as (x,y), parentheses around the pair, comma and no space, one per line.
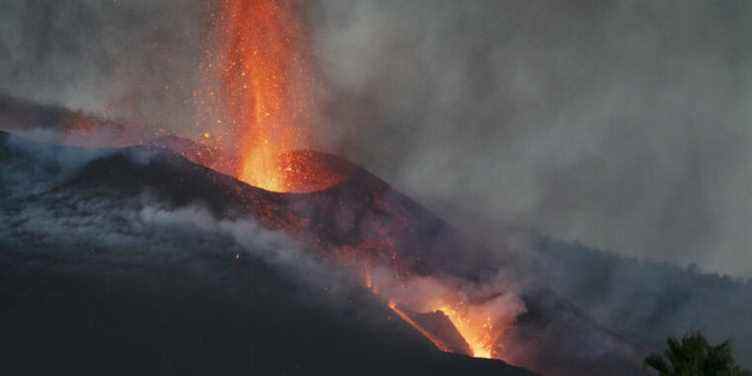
(623,125)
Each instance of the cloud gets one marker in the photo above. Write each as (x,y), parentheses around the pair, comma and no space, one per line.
(134,60)
(621,124)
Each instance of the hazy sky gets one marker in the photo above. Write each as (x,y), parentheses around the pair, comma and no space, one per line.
(620,124)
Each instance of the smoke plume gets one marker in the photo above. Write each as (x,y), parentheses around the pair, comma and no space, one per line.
(619,124)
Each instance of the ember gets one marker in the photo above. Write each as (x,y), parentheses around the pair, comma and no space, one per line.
(263,66)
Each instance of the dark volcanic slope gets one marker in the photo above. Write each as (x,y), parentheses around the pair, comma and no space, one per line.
(647,301)
(139,262)
(59,124)
(59,201)
(204,314)
(361,213)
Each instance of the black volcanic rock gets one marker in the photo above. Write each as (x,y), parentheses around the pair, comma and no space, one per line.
(589,299)
(17,114)
(197,153)
(439,325)
(362,212)
(137,261)
(206,314)
(57,124)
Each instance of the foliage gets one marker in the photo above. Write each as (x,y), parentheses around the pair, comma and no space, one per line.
(693,355)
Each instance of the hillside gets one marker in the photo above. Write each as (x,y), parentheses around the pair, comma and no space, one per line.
(99,280)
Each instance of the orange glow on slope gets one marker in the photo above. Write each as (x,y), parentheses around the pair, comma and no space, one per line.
(478,331)
(267,98)
(266,86)
(477,324)
(418,327)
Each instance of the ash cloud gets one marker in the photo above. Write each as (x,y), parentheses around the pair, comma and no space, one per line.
(622,125)
(619,124)
(135,60)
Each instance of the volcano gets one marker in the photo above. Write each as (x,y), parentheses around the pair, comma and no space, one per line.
(111,285)
(338,212)
(133,257)
(360,223)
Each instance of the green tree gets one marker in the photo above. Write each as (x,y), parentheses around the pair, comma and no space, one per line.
(693,355)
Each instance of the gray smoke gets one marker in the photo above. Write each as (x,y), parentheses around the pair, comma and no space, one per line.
(620,124)
(40,216)
(134,60)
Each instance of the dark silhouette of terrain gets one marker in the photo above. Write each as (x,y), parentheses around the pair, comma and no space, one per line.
(105,187)
(207,314)
(87,289)
(588,312)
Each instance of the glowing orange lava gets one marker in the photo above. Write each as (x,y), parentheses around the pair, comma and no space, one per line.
(481,325)
(476,328)
(266,96)
(393,306)
(266,86)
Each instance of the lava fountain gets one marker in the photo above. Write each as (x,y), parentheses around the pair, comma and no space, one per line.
(265,99)
(266,88)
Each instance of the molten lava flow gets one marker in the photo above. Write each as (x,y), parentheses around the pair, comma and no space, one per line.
(440,345)
(481,323)
(474,325)
(266,86)
(266,103)
(310,171)
(478,331)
